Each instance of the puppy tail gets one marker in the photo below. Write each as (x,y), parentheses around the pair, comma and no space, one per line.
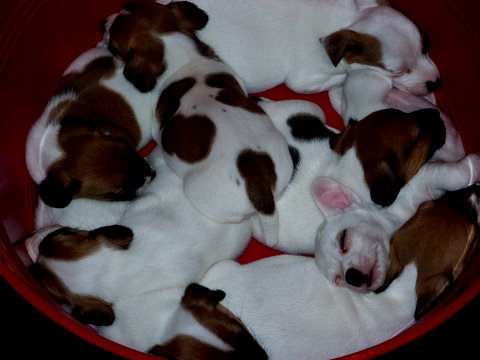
(270,228)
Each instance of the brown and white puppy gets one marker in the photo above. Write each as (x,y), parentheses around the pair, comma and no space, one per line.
(311,45)
(440,240)
(297,313)
(367,91)
(374,157)
(232,159)
(352,247)
(128,279)
(85,143)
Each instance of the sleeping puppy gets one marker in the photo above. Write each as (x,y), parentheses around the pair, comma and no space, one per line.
(160,245)
(296,313)
(311,45)
(85,143)
(374,157)
(354,101)
(352,244)
(232,159)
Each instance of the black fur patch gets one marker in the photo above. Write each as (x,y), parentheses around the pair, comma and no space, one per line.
(307,127)
(295,154)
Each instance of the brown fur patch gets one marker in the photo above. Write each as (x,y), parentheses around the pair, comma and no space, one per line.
(258,171)
(355,47)
(392,146)
(184,347)
(71,244)
(133,37)
(98,135)
(104,108)
(231,92)
(203,304)
(440,239)
(99,68)
(96,166)
(170,98)
(86,309)
(190,138)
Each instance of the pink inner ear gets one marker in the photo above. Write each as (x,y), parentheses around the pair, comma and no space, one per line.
(336,200)
(331,196)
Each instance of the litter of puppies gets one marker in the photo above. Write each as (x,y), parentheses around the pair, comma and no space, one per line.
(143,248)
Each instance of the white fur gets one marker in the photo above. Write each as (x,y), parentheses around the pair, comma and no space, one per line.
(295,313)
(366,91)
(84,214)
(215,185)
(299,217)
(173,245)
(369,227)
(278,41)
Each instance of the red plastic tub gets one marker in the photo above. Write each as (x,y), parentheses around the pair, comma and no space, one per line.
(38,39)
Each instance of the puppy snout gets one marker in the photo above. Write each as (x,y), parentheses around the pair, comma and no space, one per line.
(357,278)
(433,85)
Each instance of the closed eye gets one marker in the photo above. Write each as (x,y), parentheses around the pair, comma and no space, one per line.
(341,237)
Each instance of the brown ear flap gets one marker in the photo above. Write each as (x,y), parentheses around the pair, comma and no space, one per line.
(343,141)
(144,64)
(354,47)
(86,309)
(430,119)
(117,236)
(430,138)
(429,292)
(197,295)
(92,310)
(189,16)
(66,243)
(58,189)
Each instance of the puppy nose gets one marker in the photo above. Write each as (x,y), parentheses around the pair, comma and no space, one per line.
(433,85)
(355,277)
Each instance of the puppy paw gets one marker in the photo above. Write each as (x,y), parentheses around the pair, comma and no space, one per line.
(473,161)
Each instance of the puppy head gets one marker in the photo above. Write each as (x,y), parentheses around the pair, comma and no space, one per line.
(203,304)
(439,239)
(392,146)
(387,40)
(94,165)
(352,244)
(69,244)
(134,36)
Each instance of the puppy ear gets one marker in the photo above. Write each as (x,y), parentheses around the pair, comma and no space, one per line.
(197,295)
(343,141)
(355,47)
(57,189)
(332,197)
(430,119)
(144,65)
(429,291)
(190,17)
(116,236)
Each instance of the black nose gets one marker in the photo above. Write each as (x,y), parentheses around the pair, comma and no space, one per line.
(355,277)
(433,85)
